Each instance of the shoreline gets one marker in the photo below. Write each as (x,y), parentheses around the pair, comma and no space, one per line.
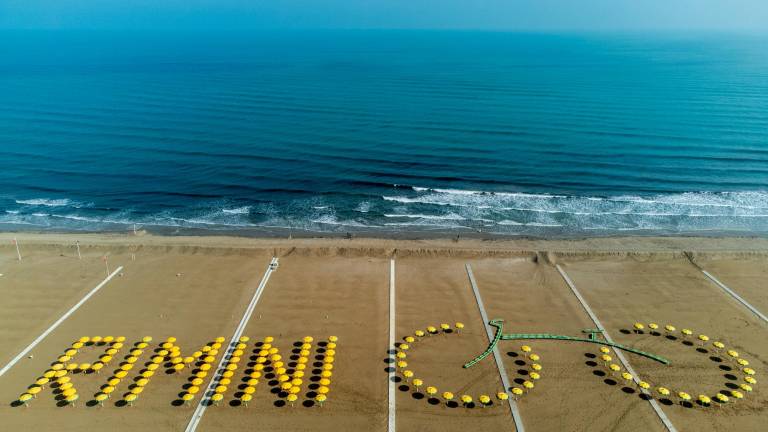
(391,246)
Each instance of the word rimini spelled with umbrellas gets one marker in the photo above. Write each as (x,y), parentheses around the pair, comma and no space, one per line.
(242,366)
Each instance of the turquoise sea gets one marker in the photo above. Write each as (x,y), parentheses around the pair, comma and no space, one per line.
(384,132)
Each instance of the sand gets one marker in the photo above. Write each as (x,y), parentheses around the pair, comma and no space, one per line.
(197,288)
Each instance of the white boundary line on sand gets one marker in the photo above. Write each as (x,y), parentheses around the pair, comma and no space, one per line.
(736,296)
(663,417)
(516,417)
(391,424)
(58,322)
(205,399)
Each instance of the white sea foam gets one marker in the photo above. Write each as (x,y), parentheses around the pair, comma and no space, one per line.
(238,210)
(45,202)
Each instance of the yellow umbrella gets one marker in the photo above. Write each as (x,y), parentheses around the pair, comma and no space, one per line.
(147,374)
(219,340)
(107,390)
(121,374)
(308,339)
(606,359)
(323,390)
(217,398)
(722,398)
(614,367)
(502,396)
(407,374)
(534,376)
(737,394)
(286,386)
(402,364)
(605,350)
(69,392)
(669,328)
(535,366)
(444,327)
(34,390)
(448,396)
(152,366)
(137,390)
(459,326)
(653,326)
(686,332)
(416,383)
(748,371)
(526,349)
(71,399)
(431,330)
(98,366)
(517,392)
(320,399)
(25,398)
(66,386)
(410,339)
(733,353)
(705,400)
(639,327)
(401,355)
(703,338)
(101,397)
(534,357)
(146,339)
(718,345)
(333,339)
(187,397)
(49,374)
(292,398)
(627,376)
(246,398)
(244,339)
(42,381)
(528,385)
(201,374)
(431,390)
(663,391)
(684,397)
(644,385)
(193,390)
(466,399)
(750,380)
(746,387)
(419,333)
(485,400)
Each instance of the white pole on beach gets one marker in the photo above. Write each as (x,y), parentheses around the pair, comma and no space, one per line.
(18,252)
(77,242)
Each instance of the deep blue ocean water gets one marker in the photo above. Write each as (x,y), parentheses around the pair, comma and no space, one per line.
(385,132)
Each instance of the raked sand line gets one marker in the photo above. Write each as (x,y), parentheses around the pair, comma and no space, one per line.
(663,417)
(58,322)
(516,417)
(391,423)
(205,399)
(735,296)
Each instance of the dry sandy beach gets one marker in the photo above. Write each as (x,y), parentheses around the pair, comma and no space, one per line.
(198,288)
